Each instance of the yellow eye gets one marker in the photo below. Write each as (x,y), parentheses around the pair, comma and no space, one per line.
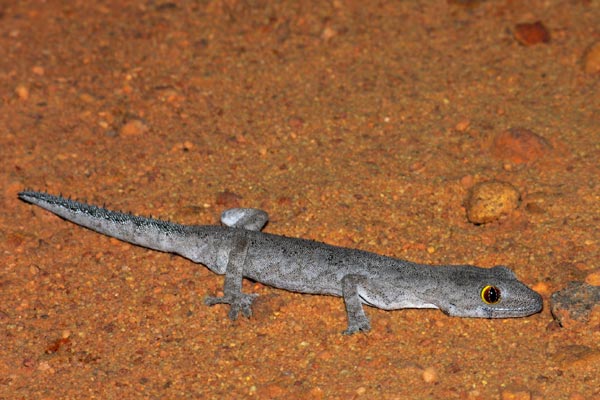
(490,294)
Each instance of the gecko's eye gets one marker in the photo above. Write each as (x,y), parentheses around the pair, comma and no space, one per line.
(490,294)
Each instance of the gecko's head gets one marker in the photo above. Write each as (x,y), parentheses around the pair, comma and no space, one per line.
(489,293)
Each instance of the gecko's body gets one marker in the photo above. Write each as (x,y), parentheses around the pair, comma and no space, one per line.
(239,250)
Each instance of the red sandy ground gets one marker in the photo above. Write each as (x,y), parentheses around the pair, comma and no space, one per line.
(362,125)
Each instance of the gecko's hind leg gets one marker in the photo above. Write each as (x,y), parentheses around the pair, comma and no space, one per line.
(357,320)
(232,291)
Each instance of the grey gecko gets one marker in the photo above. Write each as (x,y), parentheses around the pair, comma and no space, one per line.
(239,250)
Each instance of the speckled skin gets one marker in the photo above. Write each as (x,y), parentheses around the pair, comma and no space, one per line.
(306,266)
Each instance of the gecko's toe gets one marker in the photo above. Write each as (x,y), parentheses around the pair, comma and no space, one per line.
(243,303)
(361,325)
(353,329)
(239,303)
(212,300)
(246,310)
(233,313)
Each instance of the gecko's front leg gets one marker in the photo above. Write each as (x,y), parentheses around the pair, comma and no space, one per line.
(232,291)
(357,320)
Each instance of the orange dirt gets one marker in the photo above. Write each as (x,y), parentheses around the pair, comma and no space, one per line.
(362,124)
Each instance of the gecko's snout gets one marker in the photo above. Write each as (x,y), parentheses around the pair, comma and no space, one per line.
(516,303)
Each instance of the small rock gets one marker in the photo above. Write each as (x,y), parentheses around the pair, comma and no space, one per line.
(591,59)
(328,33)
(45,366)
(28,362)
(361,390)
(529,34)
(491,200)
(575,304)
(593,278)
(295,122)
(135,127)
(542,288)
(87,98)
(284,201)
(462,125)
(316,393)
(430,375)
(228,199)
(575,357)
(38,70)
(538,202)
(22,92)
(519,145)
(57,344)
(169,299)
(515,394)
(534,208)
(183,146)
(465,3)
(272,391)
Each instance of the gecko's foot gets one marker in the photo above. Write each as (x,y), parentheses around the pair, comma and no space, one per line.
(361,324)
(240,302)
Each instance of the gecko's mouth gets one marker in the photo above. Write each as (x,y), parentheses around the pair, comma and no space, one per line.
(513,312)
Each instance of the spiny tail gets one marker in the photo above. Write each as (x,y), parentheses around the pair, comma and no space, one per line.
(147,232)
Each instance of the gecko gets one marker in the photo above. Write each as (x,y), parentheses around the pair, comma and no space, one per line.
(239,249)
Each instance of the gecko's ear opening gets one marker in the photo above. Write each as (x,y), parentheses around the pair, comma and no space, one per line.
(504,270)
(251,219)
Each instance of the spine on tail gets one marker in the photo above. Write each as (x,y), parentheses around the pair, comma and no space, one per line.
(147,232)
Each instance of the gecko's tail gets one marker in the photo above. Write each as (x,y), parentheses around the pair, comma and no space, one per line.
(147,232)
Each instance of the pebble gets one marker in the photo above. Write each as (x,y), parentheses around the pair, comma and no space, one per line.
(38,70)
(22,92)
(519,145)
(135,127)
(57,344)
(529,34)
(593,278)
(28,362)
(575,357)
(87,98)
(295,122)
(183,146)
(169,299)
(430,375)
(537,203)
(271,391)
(465,3)
(488,201)
(45,366)
(462,125)
(575,304)
(316,393)
(228,199)
(542,288)
(328,33)
(591,59)
(515,394)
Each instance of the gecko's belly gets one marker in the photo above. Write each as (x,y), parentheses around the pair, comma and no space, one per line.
(369,299)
